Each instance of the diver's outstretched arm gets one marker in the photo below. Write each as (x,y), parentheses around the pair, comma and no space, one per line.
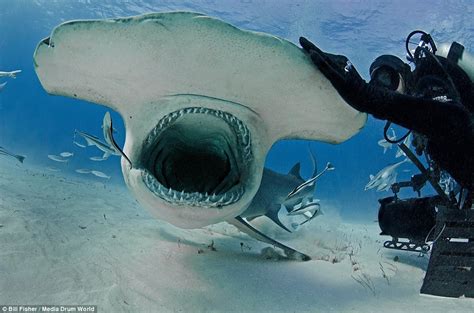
(426,116)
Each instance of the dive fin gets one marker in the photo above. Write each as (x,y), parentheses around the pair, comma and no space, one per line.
(273,215)
(245,227)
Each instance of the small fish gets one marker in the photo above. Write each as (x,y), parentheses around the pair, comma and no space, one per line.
(83,171)
(57,158)
(92,140)
(53,169)
(385,144)
(309,182)
(2,86)
(78,144)
(385,177)
(66,154)
(100,174)
(98,158)
(4,151)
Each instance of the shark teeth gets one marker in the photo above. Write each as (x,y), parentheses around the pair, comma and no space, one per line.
(194,198)
(239,128)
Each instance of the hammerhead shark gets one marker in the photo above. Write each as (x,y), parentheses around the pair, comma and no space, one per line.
(202,103)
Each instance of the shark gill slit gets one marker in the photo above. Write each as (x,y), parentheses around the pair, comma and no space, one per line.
(197,156)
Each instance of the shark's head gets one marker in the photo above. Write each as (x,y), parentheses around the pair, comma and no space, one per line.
(197,163)
(202,102)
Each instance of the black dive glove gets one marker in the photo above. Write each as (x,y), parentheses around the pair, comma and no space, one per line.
(342,75)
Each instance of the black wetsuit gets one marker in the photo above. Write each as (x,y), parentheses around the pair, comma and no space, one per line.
(448,126)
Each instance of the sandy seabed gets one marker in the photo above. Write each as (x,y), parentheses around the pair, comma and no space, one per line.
(67,240)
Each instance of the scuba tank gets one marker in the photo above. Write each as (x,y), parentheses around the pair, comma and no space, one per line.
(457,54)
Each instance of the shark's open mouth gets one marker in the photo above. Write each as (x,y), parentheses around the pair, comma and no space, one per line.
(197,156)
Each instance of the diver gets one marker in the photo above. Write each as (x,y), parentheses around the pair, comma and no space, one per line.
(436,100)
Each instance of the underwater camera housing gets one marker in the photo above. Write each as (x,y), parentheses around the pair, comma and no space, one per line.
(412,219)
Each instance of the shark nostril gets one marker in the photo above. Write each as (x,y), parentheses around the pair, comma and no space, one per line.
(47,41)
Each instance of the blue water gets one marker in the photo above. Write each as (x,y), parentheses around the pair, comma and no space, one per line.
(37,124)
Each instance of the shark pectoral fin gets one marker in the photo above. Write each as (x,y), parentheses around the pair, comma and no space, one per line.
(245,227)
(272,213)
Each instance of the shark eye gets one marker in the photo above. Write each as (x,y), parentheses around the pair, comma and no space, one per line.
(197,156)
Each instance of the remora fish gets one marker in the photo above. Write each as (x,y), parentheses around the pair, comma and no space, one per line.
(4,151)
(107,129)
(92,140)
(57,158)
(385,177)
(310,182)
(385,144)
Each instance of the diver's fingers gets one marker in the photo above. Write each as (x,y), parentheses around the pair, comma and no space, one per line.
(327,69)
(308,45)
(333,61)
